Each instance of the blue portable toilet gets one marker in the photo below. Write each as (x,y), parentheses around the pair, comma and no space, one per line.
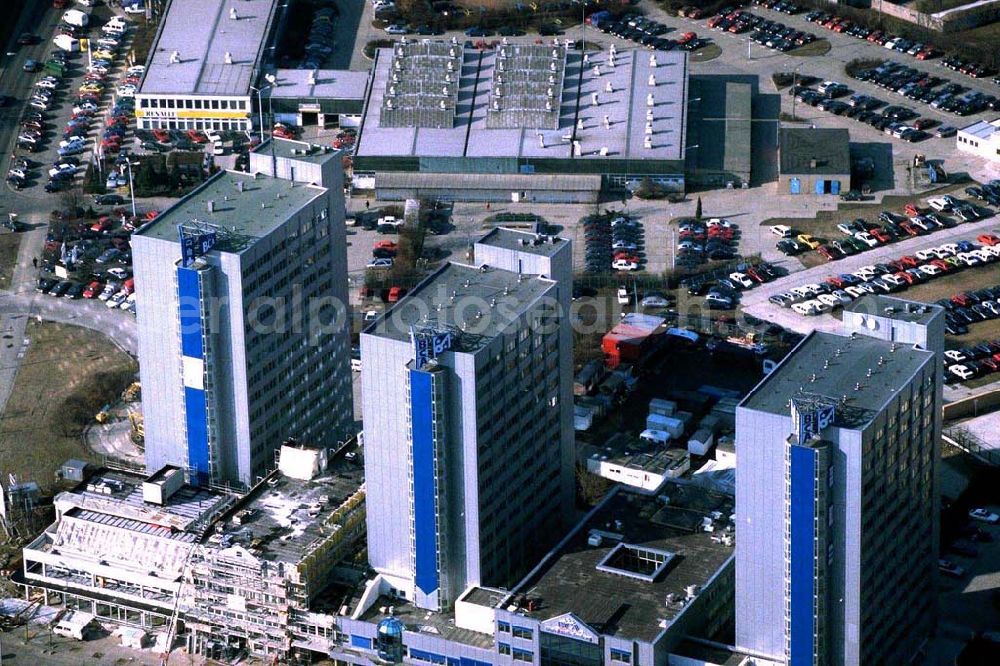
(795,186)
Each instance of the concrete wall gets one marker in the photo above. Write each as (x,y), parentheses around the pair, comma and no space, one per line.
(807,184)
(497,196)
(965,17)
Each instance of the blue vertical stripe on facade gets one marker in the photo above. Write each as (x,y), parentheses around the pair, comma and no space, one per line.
(189,291)
(802,553)
(195,407)
(424,516)
(196,415)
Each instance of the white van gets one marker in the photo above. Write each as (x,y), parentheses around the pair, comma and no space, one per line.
(76,17)
(77,625)
(110,28)
(67,43)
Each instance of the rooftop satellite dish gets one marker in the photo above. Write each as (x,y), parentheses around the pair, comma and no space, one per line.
(270,78)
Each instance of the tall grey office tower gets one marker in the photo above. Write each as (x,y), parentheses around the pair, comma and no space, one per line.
(467,393)
(238,281)
(837,493)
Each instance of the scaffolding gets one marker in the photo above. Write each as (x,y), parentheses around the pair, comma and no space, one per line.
(526,90)
(422,90)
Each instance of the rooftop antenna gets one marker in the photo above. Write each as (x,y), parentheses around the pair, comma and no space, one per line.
(607,122)
(577,151)
(579,124)
(652,81)
(608,87)
(541,140)
(649,100)
(227,58)
(649,115)
(593,99)
(647,143)
(175,57)
(233,15)
(597,70)
(311,77)
(649,128)
(652,60)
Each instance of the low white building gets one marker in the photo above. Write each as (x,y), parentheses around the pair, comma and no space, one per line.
(981,139)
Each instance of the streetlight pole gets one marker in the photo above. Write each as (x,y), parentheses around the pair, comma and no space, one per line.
(131,186)
(260,107)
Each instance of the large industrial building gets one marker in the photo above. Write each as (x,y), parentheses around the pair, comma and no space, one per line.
(837,492)
(470,473)
(235,354)
(521,122)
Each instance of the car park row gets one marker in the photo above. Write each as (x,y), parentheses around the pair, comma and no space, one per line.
(893,276)
(861,235)
(613,243)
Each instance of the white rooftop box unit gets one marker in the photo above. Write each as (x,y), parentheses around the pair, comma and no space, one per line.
(158,487)
(299,462)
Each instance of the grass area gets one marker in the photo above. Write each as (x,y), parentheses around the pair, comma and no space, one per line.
(66,376)
(818,48)
(824,226)
(9,243)
(706,53)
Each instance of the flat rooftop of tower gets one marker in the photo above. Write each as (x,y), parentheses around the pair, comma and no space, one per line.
(601,586)
(844,381)
(284,516)
(189,55)
(475,303)
(898,308)
(523,241)
(247,206)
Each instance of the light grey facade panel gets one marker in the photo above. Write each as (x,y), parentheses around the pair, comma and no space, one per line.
(158,326)
(385,401)
(759,544)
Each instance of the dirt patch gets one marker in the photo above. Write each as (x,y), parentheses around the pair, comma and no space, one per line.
(66,376)
(9,243)
(818,48)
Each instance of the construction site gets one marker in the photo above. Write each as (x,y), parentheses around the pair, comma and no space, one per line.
(219,574)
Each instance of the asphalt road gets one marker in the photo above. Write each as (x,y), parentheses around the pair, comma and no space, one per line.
(32,205)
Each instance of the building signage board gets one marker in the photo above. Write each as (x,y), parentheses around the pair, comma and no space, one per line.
(195,245)
(810,421)
(570,626)
(428,345)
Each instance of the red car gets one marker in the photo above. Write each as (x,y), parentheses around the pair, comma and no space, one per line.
(196,136)
(93,289)
(911,209)
(835,281)
(687,37)
(283,132)
(909,261)
(161,135)
(907,277)
(961,300)
(102,225)
(880,235)
(909,229)
(828,253)
(988,239)
(943,265)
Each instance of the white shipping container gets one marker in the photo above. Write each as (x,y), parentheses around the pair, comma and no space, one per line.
(700,442)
